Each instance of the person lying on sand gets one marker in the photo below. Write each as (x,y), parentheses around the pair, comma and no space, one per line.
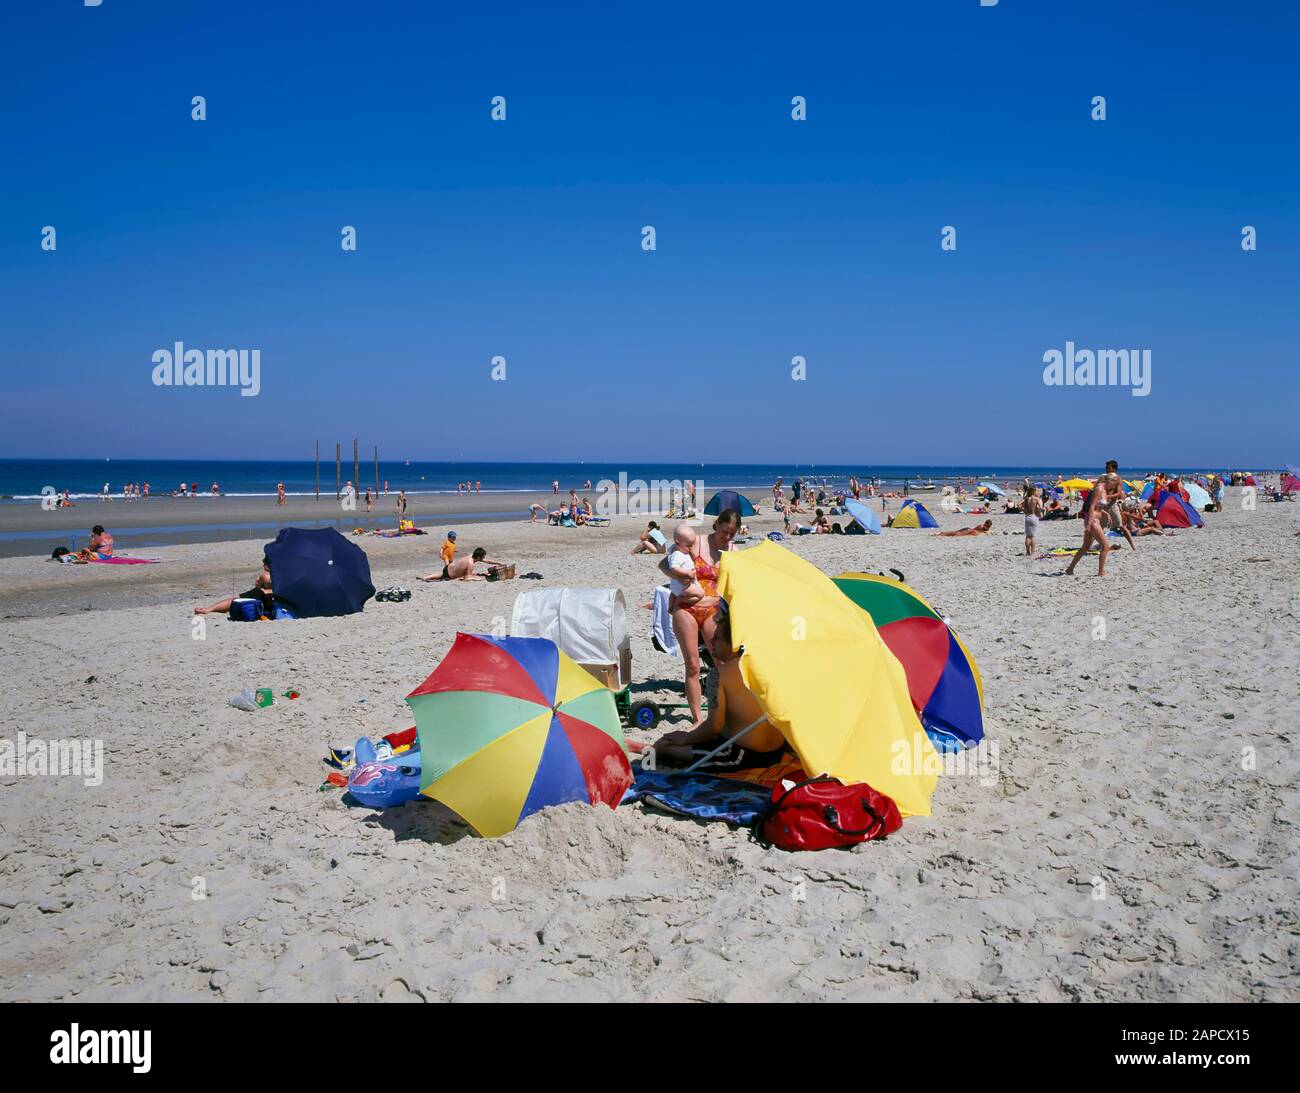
(462,569)
(261,590)
(981,529)
(732,707)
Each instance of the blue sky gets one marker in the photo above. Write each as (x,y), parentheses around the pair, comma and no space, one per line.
(775,238)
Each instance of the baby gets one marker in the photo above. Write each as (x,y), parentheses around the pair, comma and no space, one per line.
(681,567)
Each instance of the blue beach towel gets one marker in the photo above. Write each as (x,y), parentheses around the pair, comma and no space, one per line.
(700,796)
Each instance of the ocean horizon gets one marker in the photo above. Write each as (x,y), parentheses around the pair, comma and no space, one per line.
(23,480)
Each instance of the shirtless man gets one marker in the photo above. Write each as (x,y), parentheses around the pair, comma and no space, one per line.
(462,569)
(732,707)
(1033,507)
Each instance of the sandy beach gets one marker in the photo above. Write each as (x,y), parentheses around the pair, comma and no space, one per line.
(1139,840)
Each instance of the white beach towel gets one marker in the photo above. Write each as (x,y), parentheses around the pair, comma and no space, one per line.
(662,626)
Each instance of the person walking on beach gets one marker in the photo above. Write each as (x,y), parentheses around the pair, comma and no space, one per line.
(400,507)
(555,487)
(369,501)
(1095,518)
(1033,506)
(279,493)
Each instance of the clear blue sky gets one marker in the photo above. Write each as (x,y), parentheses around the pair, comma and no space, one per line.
(775,238)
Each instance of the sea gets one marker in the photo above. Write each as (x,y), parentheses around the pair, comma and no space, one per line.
(24,480)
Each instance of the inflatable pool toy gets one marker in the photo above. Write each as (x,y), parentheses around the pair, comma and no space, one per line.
(384,782)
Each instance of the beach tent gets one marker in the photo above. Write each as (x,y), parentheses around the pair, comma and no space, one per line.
(508,726)
(941,674)
(863,516)
(1197,497)
(1147,490)
(317,572)
(830,684)
(587,624)
(1173,512)
(989,487)
(1290,483)
(729,499)
(913,514)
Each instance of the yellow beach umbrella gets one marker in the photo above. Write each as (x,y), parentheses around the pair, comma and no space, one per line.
(825,678)
(1075,484)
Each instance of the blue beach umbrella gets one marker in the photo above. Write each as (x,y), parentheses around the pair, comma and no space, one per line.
(723,500)
(316,572)
(863,516)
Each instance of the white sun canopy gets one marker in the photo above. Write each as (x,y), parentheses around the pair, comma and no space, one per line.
(588,624)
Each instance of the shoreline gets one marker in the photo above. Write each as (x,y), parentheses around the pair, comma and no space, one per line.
(27,530)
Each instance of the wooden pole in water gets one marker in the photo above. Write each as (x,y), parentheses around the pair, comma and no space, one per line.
(318,470)
(356,467)
(376,470)
(338,470)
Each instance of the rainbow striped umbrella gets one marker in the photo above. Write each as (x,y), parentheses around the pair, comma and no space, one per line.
(508,726)
(941,674)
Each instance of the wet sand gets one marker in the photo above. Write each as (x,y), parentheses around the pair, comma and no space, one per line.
(27,529)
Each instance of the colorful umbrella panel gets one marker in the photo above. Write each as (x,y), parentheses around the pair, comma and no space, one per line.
(508,726)
(941,674)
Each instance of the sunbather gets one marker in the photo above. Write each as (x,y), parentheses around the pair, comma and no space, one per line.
(261,590)
(732,708)
(651,541)
(980,529)
(101,542)
(462,569)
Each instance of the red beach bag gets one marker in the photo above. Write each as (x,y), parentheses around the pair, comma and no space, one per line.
(823,812)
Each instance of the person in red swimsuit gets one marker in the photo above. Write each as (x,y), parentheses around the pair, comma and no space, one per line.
(690,624)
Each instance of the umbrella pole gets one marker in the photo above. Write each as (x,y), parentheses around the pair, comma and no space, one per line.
(723,746)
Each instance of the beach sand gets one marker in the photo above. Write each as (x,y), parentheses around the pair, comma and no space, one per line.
(1122,853)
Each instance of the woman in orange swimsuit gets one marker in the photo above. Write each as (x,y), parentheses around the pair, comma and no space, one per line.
(690,623)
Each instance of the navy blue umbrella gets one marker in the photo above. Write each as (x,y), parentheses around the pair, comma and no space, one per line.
(315,571)
(723,500)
